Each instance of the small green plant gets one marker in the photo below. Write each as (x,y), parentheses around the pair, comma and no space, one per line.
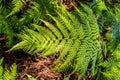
(30,77)
(7,74)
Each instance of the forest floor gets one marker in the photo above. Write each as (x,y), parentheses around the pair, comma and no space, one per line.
(39,68)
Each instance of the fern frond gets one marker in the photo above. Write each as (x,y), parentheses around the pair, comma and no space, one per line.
(76,37)
(6,74)
(5,26)
(18,4)
(10,74)
(53,29)
(111,66)
(60,26)
(1,68)
(37,11)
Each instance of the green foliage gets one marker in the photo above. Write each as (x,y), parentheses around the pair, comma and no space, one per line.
(17,15)
(6,74)
(18,4)
(109,17)
(110,68)
(30,77)
(36,10)
(1,68)
(5,26)
(75,36)
(87,40)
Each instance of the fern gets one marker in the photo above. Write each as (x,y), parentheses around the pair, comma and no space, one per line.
(5,27)
(1,68)
(111,66)
(110,62)
(76,36)
(18,4)
(6,74)
(37,11)
(17,15)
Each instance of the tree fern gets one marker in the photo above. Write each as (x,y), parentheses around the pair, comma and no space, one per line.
(75,36)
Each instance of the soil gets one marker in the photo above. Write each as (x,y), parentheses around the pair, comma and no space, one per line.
(39,68)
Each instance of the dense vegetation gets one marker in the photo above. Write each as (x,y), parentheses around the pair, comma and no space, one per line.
(84,34)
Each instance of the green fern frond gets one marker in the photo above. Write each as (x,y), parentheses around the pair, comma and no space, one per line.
(60,27)
(6,74)
(18,4)
(56,32)
(10,74)
(5,27)
(1,68)
(111,66)
(38,10)
(76,37)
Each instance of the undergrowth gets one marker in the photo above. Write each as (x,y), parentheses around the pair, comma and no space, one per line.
(87,38)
